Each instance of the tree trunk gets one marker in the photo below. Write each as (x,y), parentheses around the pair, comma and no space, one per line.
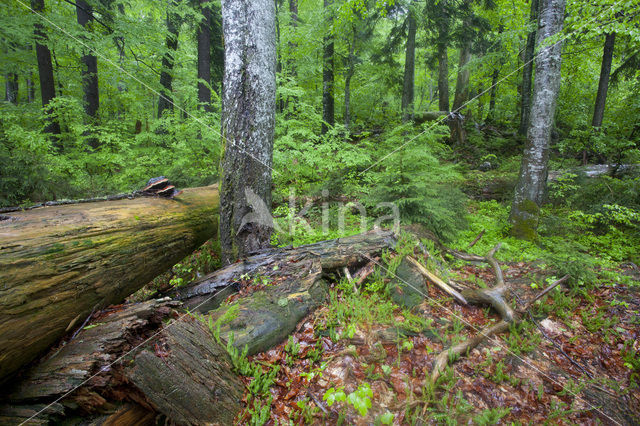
(443,78)
(45,68)
(248,123)
(409,70)
(90,66)
(527,73)
(31,93)
(58,263)
(204,56)
(462,82)
(531,187)
(166,75)
(11,88)
(351,64)
(328,103)
(603,83)
(493,94)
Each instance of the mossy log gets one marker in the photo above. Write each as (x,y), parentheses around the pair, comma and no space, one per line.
(59,263)
(421,117)
(294,286)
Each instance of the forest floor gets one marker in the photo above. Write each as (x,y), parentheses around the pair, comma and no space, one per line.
(574,359)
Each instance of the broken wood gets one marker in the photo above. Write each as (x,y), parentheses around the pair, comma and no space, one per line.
(59,263)
(437,281)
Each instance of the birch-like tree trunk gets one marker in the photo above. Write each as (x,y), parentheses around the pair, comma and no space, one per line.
(409,70)
(248,123)
(531,187)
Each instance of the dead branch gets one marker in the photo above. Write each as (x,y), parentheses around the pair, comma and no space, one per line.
(473,243)
(437,281)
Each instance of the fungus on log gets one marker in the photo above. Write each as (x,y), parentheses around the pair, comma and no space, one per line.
(59,263)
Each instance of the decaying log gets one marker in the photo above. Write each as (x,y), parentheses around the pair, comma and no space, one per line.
(296,287)
(191,382)
(421,117)
(133,354)
(59,263)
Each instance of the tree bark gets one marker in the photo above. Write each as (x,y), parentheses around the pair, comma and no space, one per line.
(31,93)
(328,102)
(443,78)
(531,187)
(165,102)
(462,82)
(248,123)
(45,68)
(409,70)
(113,361)
(204,56)
(493,94)
(603,83)
(90,66)
(527,73)
(58,263)
(351,64)
(11,88)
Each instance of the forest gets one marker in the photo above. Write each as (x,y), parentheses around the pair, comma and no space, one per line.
(320,212)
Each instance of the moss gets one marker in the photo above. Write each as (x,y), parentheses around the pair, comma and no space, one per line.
(524,220)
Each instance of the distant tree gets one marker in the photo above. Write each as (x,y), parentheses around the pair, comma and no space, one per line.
(168,59)
(248,123)
(603,82)
(328,101)
(409,68)
(527,73)
(203,36)
(531,187)
(90,89)
(45,67)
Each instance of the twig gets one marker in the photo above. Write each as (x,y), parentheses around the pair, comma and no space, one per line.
(83,324)
(318,403)
(545,291)
(437,281)
(473,243)
(348,275)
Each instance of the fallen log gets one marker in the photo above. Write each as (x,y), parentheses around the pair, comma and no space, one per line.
(131,354)
(59,263)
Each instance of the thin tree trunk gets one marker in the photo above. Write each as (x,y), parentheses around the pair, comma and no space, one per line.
(204,57)
(409,70)
(443,78)
(351,63)
(11,88)
(166,75)
(248,123)
(45,68)
(493,94)
(603,83)
(531,187)
(90,67)
(328,103)
(527,73)
(31,90)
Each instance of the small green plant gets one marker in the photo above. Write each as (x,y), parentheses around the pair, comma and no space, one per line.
(361,398)
(332,395)
(491,416)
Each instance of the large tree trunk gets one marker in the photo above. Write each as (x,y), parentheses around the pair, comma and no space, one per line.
(531,187)
(204,56)
(443,78)
(328,102)
(165,102)
(58,263)
(409,70)
(603,83)
(527,73)
(45,67)
(90,66)
(248,123)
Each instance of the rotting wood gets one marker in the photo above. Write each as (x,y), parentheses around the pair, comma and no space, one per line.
(58,263)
